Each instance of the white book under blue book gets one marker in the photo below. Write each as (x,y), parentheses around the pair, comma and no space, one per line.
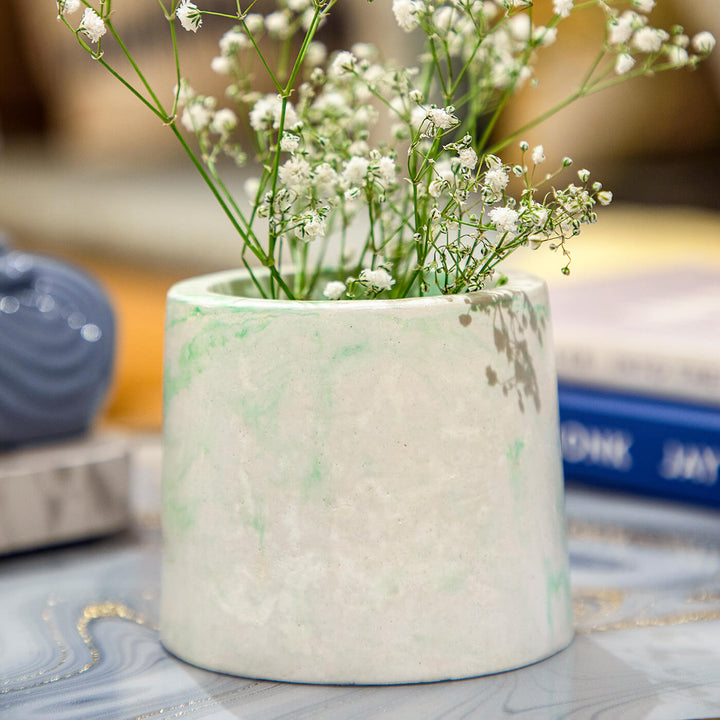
(655,333)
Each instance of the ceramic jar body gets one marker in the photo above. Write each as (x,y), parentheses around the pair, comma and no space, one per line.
(362,492)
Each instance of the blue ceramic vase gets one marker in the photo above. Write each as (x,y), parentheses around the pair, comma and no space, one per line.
(57,338)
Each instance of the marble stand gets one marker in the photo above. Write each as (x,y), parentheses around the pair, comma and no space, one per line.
(65,491)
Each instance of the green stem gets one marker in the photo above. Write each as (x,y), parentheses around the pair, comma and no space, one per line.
(136,68)
(533,123)
(228,212)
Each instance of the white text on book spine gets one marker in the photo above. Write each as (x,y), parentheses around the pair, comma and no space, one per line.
(689,462)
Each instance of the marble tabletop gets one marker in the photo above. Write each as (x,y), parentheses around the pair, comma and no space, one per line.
(79,640)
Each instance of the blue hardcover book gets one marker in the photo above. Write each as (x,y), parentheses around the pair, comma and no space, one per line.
(645,445)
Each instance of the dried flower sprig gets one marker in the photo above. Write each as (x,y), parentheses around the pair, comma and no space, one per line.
(440,208)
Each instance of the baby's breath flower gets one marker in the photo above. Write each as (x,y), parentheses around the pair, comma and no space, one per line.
(418,115)
(277,24)
(468,158)
(406,13)
(313,227)
(704,42)
(441,212)
(232,41)
(648,39)
(196,117)
(189,16)
(364,51)
(620,29)
(521,27)
(334,290)
(351,195)
(255,23)
(435,188)
(443,19)
(387,170)
(624,63)
(677,56)
(295,173)
(562,7)
(359,147)
(538,154)
(68,7)
(267,112)
(343,64)
(325,178)
(251,187)
(497,179)
(504,219)
(306,20)
(223,122)
(539,216)
(316,54)
(487,8)
(545,36)
(289,142)
(355,170)
(92,25)
(299,6)
(221,65)
(442,118)
(378,280)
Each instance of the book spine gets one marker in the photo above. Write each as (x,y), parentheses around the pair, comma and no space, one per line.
(641,445)
(676,377)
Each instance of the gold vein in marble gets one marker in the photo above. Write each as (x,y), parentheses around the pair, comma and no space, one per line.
(50,623)
(101,611)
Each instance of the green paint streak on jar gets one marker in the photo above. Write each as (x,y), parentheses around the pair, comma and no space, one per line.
(258,523)
(349,351)
(173,320)
(557,584)
(178,516)
(191,357)
(314,478)
(513,458)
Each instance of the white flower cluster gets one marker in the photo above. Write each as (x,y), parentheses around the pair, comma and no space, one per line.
(639,45)
(189,16)
(471,239)
(441,205)
(454,210)
(92,26)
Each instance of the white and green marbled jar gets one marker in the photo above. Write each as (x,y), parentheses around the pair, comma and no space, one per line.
(362,492)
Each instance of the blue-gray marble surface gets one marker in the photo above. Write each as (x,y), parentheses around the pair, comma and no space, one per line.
(79,640)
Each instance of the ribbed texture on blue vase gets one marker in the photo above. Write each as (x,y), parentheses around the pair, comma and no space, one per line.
(57,338)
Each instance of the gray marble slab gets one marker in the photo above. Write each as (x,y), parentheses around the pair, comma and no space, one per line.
(62,491)
(79,641)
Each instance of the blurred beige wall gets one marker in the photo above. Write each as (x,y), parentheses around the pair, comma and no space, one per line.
(93,117)
(676,111)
